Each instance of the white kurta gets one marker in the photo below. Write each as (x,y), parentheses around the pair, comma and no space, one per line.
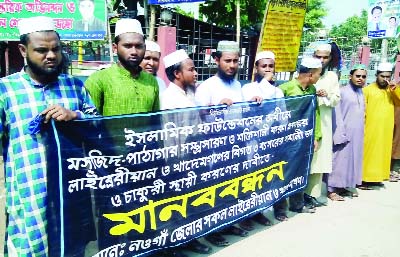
(161,85)
(322,160)
(263,89)
(175,97)
(214,89)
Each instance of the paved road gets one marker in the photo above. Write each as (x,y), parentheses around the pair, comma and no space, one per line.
(367,226)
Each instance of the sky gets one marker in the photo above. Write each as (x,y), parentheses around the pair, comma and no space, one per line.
(340,10)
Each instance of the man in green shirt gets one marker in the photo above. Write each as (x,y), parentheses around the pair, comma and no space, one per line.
(124,88)
(309,73)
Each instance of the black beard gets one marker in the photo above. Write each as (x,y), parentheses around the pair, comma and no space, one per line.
(226,78)
(130,65)
(382,86)
(40,72)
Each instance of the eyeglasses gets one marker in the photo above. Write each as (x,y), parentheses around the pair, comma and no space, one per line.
(361,76)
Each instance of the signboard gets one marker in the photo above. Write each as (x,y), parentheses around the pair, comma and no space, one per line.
(282,30)
(132,184)
(173,1)
(383,19)
(73,19)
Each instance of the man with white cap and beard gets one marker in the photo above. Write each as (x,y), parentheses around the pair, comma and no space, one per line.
(151,62)
(380,99)
(38,90)
(182,73)
(328,93)
(223,88)
(125,88)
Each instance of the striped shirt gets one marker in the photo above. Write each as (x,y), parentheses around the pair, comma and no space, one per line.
(21,100)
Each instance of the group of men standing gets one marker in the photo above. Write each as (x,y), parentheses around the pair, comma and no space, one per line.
(131,86)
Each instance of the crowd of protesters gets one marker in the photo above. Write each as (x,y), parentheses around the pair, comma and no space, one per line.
(357,137)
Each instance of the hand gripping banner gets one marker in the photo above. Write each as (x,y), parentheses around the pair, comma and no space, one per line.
(128,185)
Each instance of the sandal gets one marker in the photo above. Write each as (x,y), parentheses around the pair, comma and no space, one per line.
(348,192)
(365,187)
(216,239)
(335,197)
(281,217)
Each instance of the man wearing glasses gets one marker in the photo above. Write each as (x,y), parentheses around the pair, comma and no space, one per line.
(348,137)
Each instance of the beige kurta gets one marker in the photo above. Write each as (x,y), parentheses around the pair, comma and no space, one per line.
(322,160)
(379,124)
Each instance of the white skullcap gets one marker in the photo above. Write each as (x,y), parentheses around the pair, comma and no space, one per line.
(265,55)
(385,66)
(175,57)
(35,24)
(323,47)
(228,46)
(311,63)
(128,26)
(152,46)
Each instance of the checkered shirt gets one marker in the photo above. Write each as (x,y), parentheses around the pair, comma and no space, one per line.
(21,100)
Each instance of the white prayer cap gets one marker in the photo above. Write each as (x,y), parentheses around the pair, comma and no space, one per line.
(323,47)
(311,63)
(228,46)
(152,46)
(385,66)
(128,26)
(265,55)
(175,57)
(35,24)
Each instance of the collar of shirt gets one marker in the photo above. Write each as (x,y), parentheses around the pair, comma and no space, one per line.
(33,82)
(124,72)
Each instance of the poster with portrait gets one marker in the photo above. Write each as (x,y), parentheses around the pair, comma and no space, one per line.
(383,18)
(73,19)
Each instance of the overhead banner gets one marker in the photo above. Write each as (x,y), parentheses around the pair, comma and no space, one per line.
(282,30)
(383,19)
(173,1)
(132,184)
(74,19)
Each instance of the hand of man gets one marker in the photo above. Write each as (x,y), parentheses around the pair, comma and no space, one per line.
(322,92)
(226,101)
(269,76)
(257,99)
(316,145)
(58,113)
(392,85)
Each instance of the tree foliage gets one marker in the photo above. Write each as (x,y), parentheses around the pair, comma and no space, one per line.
(350,33)
(315,12)
(223,13)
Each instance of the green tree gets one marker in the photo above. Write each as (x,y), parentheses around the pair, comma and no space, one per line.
(223,13)
(349,34)
(315,12)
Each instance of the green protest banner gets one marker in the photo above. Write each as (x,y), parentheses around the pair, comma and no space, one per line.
(74,19)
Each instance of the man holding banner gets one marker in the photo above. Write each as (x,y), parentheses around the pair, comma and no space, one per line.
(309,73)
(223,88)
(181,72)
(47,95)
